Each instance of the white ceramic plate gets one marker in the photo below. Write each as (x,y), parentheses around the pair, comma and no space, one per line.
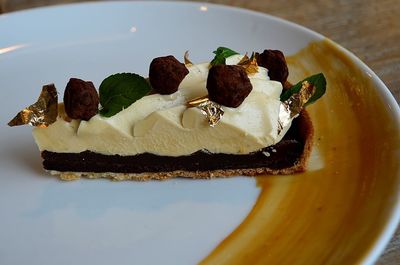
(46,221)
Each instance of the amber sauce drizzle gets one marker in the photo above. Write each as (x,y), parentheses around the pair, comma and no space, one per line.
(330,215)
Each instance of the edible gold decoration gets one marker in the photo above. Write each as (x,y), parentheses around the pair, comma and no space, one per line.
(249,64)
(42,113)
(186,59)
(244,59)
(212,110)
(291,108)
(197,101)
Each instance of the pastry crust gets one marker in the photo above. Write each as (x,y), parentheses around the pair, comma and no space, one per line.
(306,133)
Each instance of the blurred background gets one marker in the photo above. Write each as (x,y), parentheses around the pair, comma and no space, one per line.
(368,28)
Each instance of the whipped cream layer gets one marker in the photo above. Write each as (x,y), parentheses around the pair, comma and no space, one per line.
(164,125)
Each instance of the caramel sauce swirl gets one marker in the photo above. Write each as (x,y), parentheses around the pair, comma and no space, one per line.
(334,212)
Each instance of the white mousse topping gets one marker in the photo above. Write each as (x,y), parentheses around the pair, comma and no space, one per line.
(164,125)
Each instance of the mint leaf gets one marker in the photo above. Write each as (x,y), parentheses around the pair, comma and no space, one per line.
(318,81)
(119,91)
(221,54)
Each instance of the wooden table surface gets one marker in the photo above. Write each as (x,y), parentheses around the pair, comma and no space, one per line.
(368,28)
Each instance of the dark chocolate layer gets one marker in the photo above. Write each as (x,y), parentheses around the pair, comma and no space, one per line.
(282,155)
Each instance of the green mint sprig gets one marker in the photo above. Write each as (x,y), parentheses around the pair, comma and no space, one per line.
(319,83)
(119,91)
(221,54)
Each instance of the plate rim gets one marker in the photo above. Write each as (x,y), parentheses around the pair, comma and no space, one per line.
(388,229)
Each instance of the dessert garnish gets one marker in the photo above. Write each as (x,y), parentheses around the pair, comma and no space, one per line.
(186,59)
(81,100)
(275,62)
(212,110)
(42,113)
(166,73)
(317,81)
(296,98)
(228,85)
(119,91)
(249,64)
(221,54)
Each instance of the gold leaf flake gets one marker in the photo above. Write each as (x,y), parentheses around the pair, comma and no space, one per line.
(291,108)
(197,101)
(212,110)
(249,64)
(244,60)
(186,59)
(42,113)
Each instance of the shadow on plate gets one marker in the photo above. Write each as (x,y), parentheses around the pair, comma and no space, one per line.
(24,155)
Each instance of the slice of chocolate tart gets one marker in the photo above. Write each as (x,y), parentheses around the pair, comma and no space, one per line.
(236,115)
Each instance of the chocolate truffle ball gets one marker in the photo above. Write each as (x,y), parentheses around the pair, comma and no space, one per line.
(166,73)
(275,62)
(228,85)
(81,100)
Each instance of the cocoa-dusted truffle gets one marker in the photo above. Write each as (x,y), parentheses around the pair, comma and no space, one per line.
(275,62)
(81,100)
(166,73)
(228,85)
